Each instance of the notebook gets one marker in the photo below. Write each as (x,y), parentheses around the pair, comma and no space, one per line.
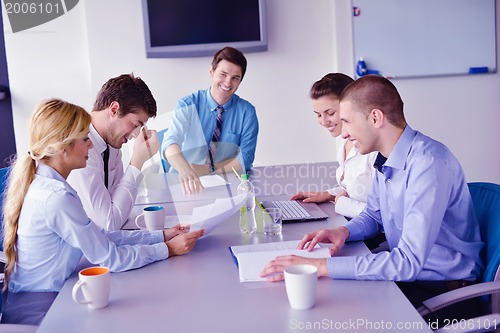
(297,211)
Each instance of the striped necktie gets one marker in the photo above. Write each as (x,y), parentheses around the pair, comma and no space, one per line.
(216,135)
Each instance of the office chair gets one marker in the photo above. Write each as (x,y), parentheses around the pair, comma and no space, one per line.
(486,200)
(164,162)
(3,185)
(10,328)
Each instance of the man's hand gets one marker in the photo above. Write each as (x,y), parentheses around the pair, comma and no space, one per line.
(274,270)
(145,146)
(189,180)
(182,244)
(336,236)
(170,233)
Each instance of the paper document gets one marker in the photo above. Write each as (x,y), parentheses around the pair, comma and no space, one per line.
(253,258)
(210,216)
(212,181)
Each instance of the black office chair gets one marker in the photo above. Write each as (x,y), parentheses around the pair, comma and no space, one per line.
(486,199)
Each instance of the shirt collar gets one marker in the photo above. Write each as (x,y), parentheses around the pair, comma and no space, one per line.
(98,142)
(379,162)
(44,170)
(397,158)
(212,104)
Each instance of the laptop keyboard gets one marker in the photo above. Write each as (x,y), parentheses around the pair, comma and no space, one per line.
(291,209)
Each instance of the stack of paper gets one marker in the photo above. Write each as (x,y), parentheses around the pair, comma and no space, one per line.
(251,259)
(210,216)
(212,181)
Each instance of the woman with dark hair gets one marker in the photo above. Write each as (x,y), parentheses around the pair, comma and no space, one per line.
(355,172)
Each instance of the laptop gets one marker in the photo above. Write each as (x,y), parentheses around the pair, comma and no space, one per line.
(297,211)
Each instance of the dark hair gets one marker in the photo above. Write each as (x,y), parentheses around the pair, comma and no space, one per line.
(232,55)
(130,92)
(330,84)
(376,92)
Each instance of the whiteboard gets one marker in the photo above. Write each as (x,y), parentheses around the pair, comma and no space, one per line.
(408,38)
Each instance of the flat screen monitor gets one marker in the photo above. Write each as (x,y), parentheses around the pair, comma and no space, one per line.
(194,28)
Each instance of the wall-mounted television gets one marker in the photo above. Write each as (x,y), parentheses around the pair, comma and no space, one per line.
(194,28)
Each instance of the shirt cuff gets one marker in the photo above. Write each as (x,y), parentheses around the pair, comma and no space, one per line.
(341,267)
(161,251)
(348,207)
(157,237)
(158,241)
(135,172)
(240,159)
(355,231)
(335,191)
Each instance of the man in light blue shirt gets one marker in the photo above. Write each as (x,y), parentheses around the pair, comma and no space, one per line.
(187,143)
(420,199)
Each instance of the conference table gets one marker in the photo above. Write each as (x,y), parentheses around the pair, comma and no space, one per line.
(200,291)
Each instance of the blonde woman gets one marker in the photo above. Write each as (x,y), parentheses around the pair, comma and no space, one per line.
(355,172)
(46,230)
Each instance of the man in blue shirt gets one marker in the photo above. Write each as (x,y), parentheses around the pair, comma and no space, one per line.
(420,199)
(191,144)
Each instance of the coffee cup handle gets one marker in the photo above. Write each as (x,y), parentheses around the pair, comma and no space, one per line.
(76,287)
(137,219)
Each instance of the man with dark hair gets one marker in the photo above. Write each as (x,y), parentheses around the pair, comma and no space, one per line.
(213,130)
(108,192)
(420,199)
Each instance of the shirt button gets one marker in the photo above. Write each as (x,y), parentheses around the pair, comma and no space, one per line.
(389,180)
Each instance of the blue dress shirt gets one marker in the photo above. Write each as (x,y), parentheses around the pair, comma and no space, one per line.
(54,232)
(421,200)
(193,123)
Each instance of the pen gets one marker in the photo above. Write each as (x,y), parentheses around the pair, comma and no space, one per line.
(237,175)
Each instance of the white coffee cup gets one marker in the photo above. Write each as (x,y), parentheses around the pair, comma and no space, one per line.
(301,283)
(95,284)
(152,218)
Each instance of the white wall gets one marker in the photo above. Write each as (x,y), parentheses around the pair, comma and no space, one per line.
(47,61)
(276,81)
(72,56)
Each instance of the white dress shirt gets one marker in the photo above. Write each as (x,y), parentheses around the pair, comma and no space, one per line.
(54,232)
(109,207)
(354,175)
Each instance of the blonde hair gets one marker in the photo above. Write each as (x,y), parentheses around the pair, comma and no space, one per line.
(54,125)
